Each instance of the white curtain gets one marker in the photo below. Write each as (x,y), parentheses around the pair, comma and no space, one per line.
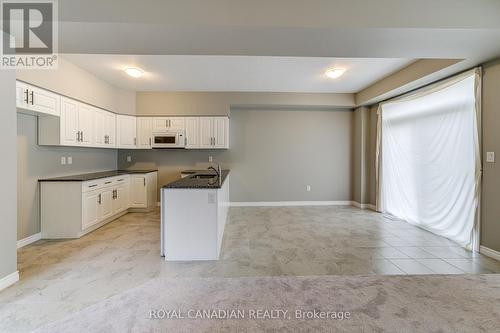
(428,151)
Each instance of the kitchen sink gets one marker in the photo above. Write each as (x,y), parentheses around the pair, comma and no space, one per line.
(203,176)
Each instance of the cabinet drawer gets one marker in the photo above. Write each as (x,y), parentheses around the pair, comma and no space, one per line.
(92,185)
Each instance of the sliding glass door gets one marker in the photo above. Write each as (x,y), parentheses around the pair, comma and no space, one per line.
(429,158)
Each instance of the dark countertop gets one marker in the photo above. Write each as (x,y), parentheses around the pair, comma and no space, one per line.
(96,175)
(191,183)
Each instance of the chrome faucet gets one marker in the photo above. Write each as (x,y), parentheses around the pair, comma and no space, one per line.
(217,171)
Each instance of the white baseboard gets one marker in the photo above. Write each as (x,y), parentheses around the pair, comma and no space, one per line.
(288,203)
(489,252)
(364,206)
(9,280)
(29,240)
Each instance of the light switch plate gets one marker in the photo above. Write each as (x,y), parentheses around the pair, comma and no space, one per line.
(210,159)
(308,188)
(129,158)
(69,160)
(63,160)
(490,156)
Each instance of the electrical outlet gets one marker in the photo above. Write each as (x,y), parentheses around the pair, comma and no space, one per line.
(490,157)
(308,188)
(210,159)
(69,160)
(129,158)
(63,160)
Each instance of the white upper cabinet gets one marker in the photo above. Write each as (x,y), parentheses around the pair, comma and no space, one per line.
(221,132)
(165,124)
(214,133)
(126,130)
(99,136)
(76,124)
(192,132)
(36,100)
(86,124)
(110,129)
(69,131)
(104,128)
(144,132)
(206,132)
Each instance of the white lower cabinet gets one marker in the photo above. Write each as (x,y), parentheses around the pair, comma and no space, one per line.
(70,209)
(91,209)
(141,190)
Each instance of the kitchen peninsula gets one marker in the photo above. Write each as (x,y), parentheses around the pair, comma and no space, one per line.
(193,215)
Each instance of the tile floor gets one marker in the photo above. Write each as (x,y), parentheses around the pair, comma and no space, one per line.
(60,277)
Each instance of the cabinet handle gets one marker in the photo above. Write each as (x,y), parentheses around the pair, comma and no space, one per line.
(82,136)
(135,141)
(93,185)
(150,141)
(144,179)
(77,136)
(32,98)
(27,94)
(166,122)
(99,199)
(108,182)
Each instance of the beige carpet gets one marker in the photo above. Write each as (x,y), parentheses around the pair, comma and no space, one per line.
(433,303)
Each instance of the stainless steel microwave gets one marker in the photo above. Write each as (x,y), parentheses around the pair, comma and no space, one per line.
(172,139)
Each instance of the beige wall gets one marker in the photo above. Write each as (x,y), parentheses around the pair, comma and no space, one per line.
(274,155)
(72,81)
(220,103)
(361,158)
(35,162)
(415,75)
(8,257)
(490,213)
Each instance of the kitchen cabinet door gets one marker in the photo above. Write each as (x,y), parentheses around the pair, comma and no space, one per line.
(120,202)
(176,124)
(106,202)
(110,129)
(206,132)
(43,101)
(126,130)
(90,209)
(22,96)
(220,132)
(192,132)
(99,128)
(69,131)
(138,191)
(86,124)
(160,124)
(144,132)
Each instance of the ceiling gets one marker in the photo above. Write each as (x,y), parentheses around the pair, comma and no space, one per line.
(237,73)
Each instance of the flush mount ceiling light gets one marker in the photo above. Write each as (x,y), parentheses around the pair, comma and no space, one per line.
(335,73)
(134,71)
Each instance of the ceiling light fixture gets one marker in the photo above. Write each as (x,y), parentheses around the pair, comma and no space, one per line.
(335,73)
(134,71)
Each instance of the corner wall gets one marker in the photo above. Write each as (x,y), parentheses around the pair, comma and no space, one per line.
(490,207)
